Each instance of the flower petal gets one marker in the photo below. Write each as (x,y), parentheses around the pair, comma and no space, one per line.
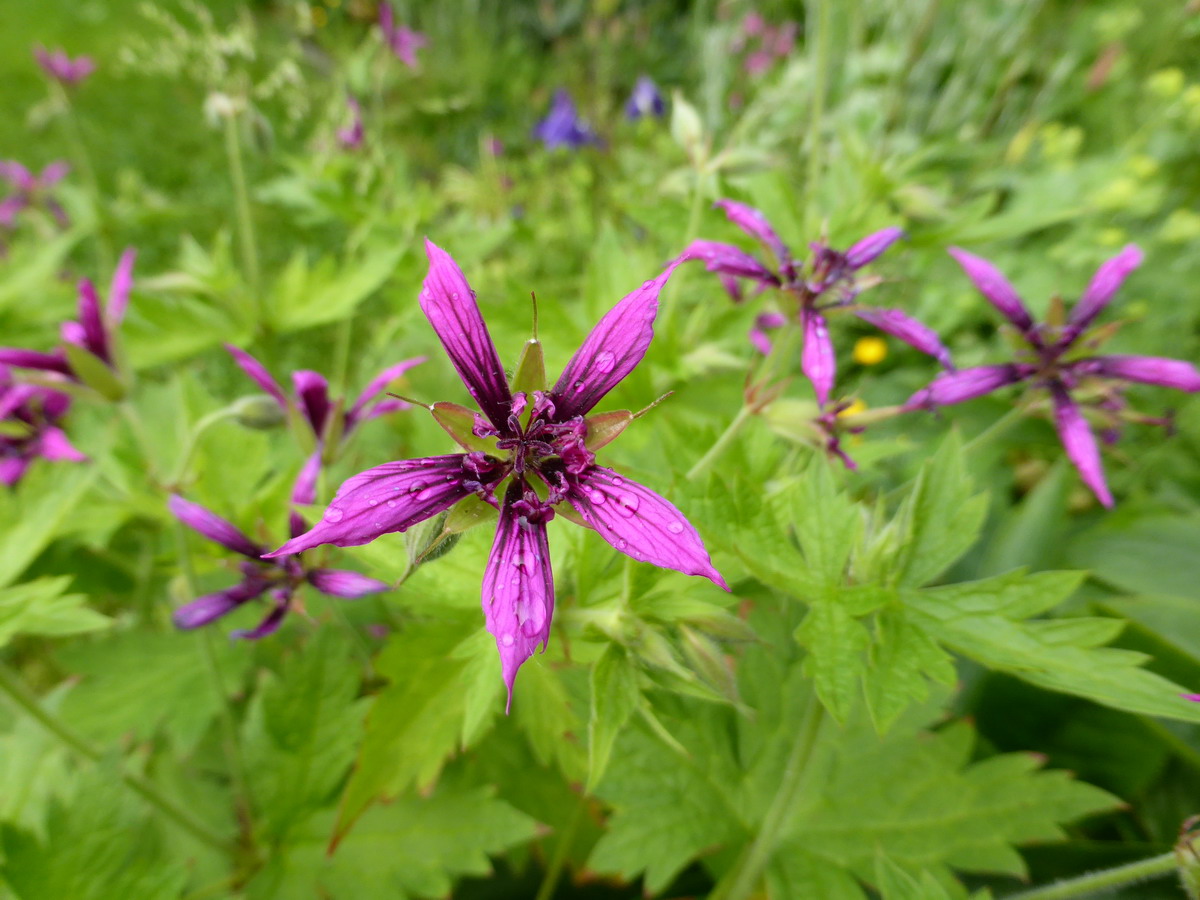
(91,319)
(728,260)
(122,284)
(213,527)
(817,360)
(449,304)
(53,444)
(1104,284)
(53,173)
(388,498)
(342,583)
(270,624)
(966,384)
(995,288)
(1172,373)
(916,334)
(377,384)
(12,469)
(32,359)
(640,523)
(304,491)
(518,588)
(754,223)
(259,373)
(211,607)
(312,396)
(872,246)
(16,175)
(1080,443)
(615,346)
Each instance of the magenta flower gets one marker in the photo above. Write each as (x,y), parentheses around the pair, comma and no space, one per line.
(90,344)
(29,429)
(830,281)
(402,40)
(530,455)
(66,71)
(351,137)
(1055,358)
(280,576)
(31,190)
(563,126)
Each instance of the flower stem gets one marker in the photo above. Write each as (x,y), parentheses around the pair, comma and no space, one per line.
(193,441)
(1106,880)
(819,11)
(74,136)
(721,443)
(993,431)
(559,859)
(16,690)
(245,221)
(743,879)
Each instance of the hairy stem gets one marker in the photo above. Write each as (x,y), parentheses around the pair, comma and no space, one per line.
(559,859)
(1106,880)
(79,151)
(245,221)
(819,12)
(721,443)
(15,689)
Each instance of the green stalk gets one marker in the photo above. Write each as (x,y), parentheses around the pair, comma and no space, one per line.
(245,221)
(744,878)
(1106,880)
(559,860)
(819,12)
(16,691)
(79,151)
(721,443)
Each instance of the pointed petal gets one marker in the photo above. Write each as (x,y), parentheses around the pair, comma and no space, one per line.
(259,373)
(1080,443)
(449,304)
(728,261)
(304,491)
(388,498)
(916,334)
(16,175)
(518,588)
(995,288)
(10,208)
(754,223)
(872,246)
(1172,373)
(12,469)
(122,284)
(377,384)
(615,346)
(1104,284)
(32,359)
(211,607)
(91,319)
(342,583)
(966,384)
(312,395)
(53,444)
(282,598)
(213,527)
(53,173)
(817,360)
(640,523)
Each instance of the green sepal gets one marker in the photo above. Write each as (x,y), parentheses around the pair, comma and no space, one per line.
(530,374)
(467,513)
(568,512)
(95,373)
(458,422)
(606,427)
(258,411)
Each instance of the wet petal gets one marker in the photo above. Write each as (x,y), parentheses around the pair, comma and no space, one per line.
(213,527)
(1080,443)
(615,346)
(53,173)
(16,175)
(754,223)
(995,288)
(32,359)
(342,583)
(388,498)
(211,607)
(1172,373)
(817,360)
(312,396)
(966,384)
(378,383)
(872,246)
(282,598)
(1104,284)
(122,284)
(449,304)
(12,469)
(916,334)
(91,320)
(728,260)
(259,373)
(53,444)
(640,523)
(518,588)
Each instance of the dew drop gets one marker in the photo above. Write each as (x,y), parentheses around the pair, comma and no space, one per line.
(627,504)
(373,502)
(622,544)
(507,640)
(333,514)
(675,528)
(648,284)
(578,386)
(425,494)
(618,481)
(606,362)
(416,486)
(518,560)
(392,503)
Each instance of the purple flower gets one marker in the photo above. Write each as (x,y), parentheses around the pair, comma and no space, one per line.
(278,576)
(30,415)
(530,454)
(351,137)
(1050,360)
(66,71)
(645,100)
(829,281)
(89,344)
(31,190)
(403,41)
(563,127)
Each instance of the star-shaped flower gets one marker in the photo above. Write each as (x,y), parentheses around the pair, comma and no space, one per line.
(29,427)
(31,191)
(68,72)
(402,40)
(563,126)
(530,455)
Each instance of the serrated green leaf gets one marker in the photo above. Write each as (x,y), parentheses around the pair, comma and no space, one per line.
(615,695)
(41,607)
(34,514)
(826,522)
(837,643)
(903,661)
(896,884)
(329,290)
(794,873)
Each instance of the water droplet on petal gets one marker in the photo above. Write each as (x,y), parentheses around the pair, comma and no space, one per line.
(675,528)
(416,486)
(606,362)
(392,503)
(648,284)
(507,640)
(622,544)
(333,514)
(425,494)
(627,504)
(373,502)
(618,481)
(578,386)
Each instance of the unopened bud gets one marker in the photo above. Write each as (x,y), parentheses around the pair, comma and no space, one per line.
(259,411)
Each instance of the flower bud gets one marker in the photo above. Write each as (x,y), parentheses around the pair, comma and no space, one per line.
(258,411)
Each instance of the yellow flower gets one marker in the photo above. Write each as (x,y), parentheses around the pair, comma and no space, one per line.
(857,406)
(870,351)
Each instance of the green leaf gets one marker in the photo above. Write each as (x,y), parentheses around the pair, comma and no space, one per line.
(896,884)
(826,522)
(615,696)
(329,291)
(410,848)
(1149,555)
(903,660)
(837,643)
(34,515)
(34,768)
(42,607)
(795,873)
